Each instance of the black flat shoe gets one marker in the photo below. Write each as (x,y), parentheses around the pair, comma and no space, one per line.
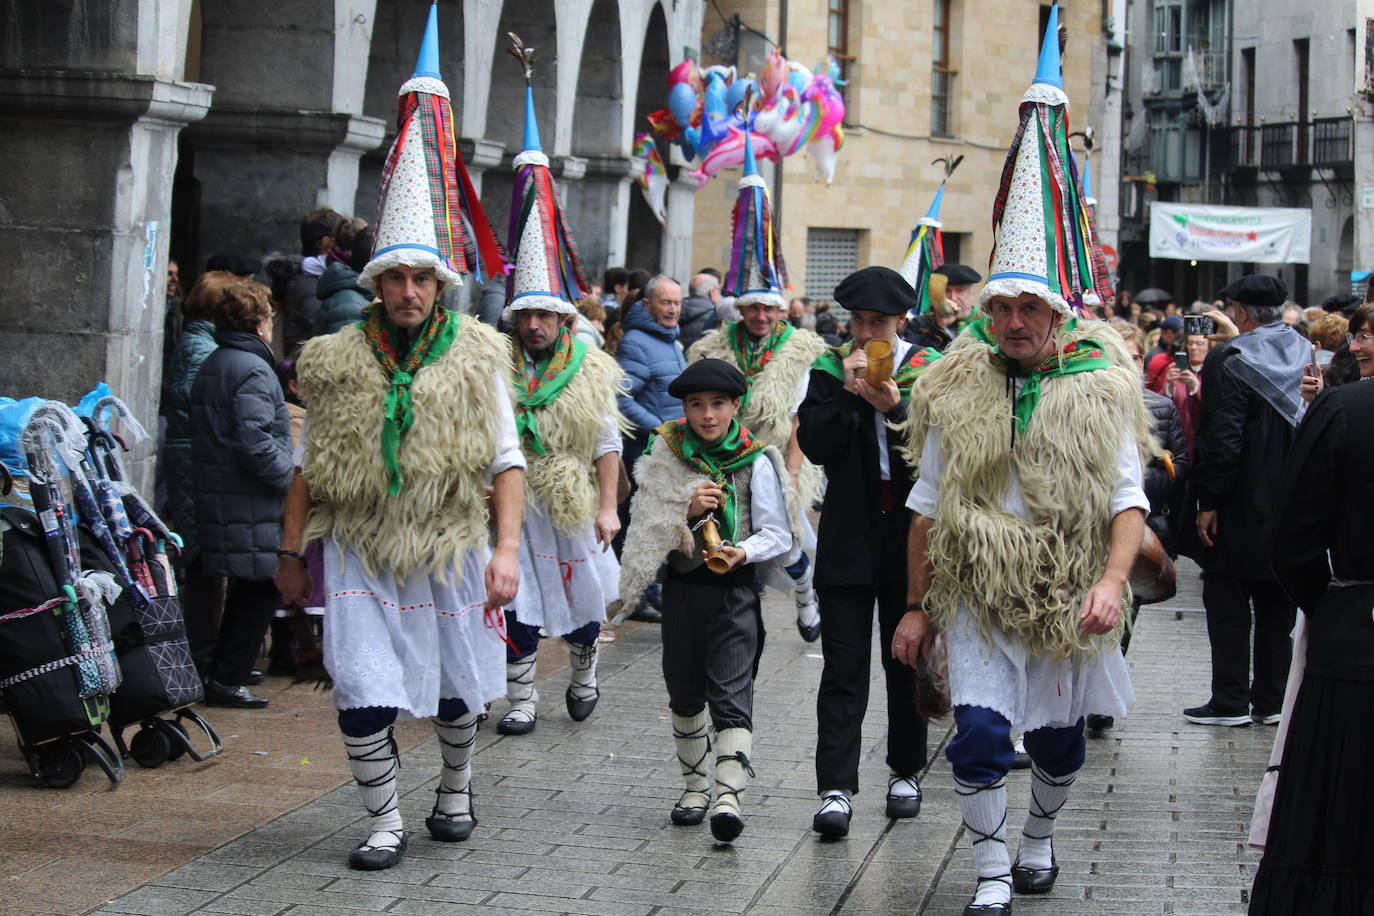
(899,806)
(376,858)
(1097,724)
(1033,880)
(688,815)
(217,694)
(988,909)
(446,829)
(726,826)
(811,633)
(578,710)
(832,821)
(515,725)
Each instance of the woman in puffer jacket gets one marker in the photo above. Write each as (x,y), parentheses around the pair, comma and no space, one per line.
(241,448)
(199,599)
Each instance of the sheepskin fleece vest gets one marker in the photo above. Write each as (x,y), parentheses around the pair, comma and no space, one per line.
(564,480)
(441,513)
(1027,577)
(658,518)
(772,392)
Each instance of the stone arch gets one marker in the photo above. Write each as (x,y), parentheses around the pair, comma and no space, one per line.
(397,29)
(597,109)
(644,243)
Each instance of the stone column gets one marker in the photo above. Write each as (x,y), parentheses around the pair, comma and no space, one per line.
(84,228)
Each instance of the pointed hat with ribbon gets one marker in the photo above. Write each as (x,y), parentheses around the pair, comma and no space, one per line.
(428,213)
(548,271)
(1045,242)
(757,272)
(926,249)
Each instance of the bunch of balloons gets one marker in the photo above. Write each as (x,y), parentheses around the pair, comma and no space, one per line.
(793,109)
(652,177)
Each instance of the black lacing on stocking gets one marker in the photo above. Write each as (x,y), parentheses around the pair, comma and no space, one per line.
(965,789)
(1037,809)
(445,790)
(693,768)
(375,753)
(582,658)
(730,790)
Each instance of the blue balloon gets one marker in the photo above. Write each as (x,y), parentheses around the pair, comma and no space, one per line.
(735,94)
(691,138)
(682,101)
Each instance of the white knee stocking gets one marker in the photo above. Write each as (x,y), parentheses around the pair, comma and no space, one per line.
(984,807)
(456,741)
(373,761)
(1048,795)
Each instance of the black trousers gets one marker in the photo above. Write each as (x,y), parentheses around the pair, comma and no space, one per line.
(846,642)
(248,609)
(712,638)
(1228,601)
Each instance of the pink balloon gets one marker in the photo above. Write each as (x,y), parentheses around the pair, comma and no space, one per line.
(729,153)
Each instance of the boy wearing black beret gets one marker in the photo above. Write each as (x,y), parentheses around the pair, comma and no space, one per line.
(861,554)
(700,476)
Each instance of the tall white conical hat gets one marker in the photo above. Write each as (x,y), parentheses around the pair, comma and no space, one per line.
(548,272)
(428,213)
(1045,241)
(757,272)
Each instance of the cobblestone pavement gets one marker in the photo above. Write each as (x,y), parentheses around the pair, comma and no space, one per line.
(573,818)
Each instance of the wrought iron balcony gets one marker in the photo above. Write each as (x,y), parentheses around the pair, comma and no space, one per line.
(1324,143)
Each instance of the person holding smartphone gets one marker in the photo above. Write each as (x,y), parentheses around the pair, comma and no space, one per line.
(1180,379)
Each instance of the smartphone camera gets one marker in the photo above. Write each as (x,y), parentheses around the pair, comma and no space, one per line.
(1181,362)
(1198,324)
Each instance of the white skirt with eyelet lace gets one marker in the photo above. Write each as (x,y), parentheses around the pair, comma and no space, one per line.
(408,644)
(566,581)
(1034,691)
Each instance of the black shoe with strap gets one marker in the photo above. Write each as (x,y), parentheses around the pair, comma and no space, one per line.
(233,697)
(377,858)
(1033,880)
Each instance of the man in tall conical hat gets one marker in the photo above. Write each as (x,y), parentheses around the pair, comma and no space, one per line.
(774,356)
(570,429)
(410,423)
(1028,435)
(944,292)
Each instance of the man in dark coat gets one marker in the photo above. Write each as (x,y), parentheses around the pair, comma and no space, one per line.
(861,549)
(241,447)
(938,327)
(1251,406)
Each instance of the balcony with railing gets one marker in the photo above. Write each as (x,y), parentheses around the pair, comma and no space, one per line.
(1324,143)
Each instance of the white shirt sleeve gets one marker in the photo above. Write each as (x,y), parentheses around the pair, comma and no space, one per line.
(508,454)
(803,385)
(925,493)
(899,355)
(1128,492)
(773,533)
(608,438)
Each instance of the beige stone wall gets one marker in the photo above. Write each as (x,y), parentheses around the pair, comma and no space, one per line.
(883,184)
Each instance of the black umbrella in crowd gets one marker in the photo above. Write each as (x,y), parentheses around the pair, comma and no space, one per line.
(1153,296)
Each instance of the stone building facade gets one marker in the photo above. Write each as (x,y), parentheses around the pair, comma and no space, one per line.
(135,129)
(884,180)
(1289,90)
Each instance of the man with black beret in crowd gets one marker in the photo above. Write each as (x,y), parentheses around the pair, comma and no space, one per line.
(860,553)
(1251,407)
(938,327)
(701,476)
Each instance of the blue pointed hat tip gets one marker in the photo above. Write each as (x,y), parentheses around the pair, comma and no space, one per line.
(1087,177)
(751,166)
(934,211)
(531,122)
(1047,71)
(428,62)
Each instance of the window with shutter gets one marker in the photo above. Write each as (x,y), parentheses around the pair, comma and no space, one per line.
(831,255)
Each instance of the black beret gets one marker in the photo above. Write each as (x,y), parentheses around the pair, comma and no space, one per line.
(959,274)
(709,375)
(1256,289)
(1342,302)
(876,289)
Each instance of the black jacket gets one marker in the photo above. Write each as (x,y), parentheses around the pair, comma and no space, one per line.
(1241,447)
(857,539)
(698,317)
(241,449)
(1165,494)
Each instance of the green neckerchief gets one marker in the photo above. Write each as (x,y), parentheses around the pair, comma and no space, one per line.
(388,342)
(905,375)
(750,357)
(550,377)
(1084,355)
(738,449)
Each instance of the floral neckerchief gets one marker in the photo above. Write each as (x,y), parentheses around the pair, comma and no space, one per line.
(752,356)
(550,377)
(1083,355)
(433,340)
(738,449)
